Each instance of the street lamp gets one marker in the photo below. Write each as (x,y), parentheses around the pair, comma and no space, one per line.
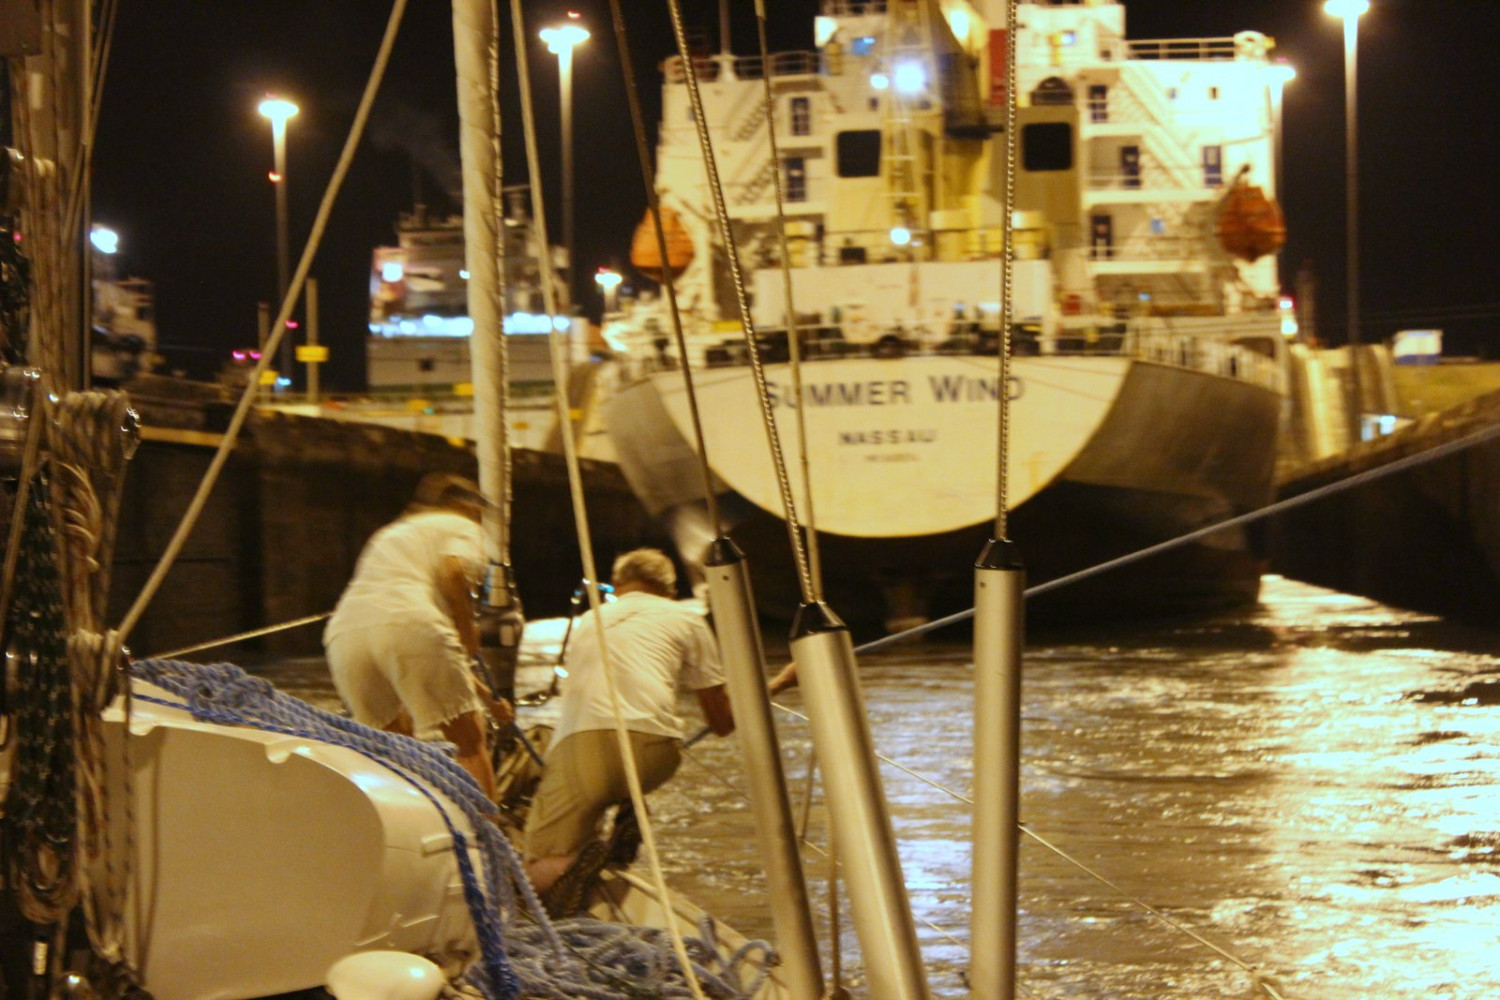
(1349,11)
(560,41)
(278,110)
(1278,74)
(609,281)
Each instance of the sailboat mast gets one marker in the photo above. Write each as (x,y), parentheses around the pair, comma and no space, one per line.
(474,37)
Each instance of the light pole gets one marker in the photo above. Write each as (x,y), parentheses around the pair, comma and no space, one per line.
(278,110)
(560,42)
(1278,75)
(609,281)
(1350,10)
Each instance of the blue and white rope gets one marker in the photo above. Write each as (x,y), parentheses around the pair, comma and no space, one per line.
(577,958)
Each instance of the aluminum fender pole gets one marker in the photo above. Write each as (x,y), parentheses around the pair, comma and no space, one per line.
(878,902)
(999,615)
(744,664)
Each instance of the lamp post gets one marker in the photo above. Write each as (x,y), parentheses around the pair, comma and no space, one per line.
(1349,11)
(560,42)
(278,110)
(1279,74)
(609,281)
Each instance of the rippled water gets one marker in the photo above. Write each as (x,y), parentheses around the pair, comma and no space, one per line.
(1312,785)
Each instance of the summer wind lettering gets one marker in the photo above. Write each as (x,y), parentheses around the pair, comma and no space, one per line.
(894,392)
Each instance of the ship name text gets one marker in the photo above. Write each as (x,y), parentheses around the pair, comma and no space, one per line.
(893,392)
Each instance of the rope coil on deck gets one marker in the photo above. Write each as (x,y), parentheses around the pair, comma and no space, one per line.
(579,958)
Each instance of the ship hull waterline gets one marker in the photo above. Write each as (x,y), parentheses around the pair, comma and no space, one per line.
(1151,452)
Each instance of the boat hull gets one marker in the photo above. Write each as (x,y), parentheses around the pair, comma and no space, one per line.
(1174,450)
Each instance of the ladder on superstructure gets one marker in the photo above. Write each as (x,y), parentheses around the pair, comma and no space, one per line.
(904,163)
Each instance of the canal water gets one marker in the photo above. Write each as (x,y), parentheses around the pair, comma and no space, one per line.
(1312,786)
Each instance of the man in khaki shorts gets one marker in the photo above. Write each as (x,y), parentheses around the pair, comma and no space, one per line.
(402,640)
(657,648)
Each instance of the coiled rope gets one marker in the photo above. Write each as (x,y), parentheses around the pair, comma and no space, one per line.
(578,958)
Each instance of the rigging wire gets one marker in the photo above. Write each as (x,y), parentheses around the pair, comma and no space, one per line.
(1007,280)
(228,640)
(747,323)
(498,520)
(793,332)
(252,386)
(1279,507)
(669,281)
(579,504)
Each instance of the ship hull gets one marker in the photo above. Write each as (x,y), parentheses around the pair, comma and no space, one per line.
(1172,450)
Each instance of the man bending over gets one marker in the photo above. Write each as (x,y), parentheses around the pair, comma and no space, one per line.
(657,648)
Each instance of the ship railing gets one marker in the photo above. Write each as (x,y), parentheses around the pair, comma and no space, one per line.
(710,67)
(800,63)
(852,8)
(1218,355)
(1157,49)
(1148,248)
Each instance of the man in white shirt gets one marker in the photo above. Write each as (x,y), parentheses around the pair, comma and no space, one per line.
(656,649)
(402,639)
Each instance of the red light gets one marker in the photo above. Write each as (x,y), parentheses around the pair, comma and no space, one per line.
(254,355)
(275,177)
(573,15)
(291,324)
(238,355)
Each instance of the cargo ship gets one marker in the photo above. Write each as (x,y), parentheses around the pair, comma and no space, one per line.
(1147,332)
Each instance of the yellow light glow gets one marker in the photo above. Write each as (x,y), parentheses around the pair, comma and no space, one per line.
(824,29)
(277,109)
(562,39)
(1346,8)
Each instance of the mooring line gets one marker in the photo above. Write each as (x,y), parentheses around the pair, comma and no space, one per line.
(177,654)
(1280,506)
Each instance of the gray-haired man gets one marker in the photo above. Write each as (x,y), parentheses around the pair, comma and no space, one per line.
(657,648)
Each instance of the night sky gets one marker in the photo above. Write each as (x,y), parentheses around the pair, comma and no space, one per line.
(182,156)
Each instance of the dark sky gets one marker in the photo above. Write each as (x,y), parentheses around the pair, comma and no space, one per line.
(182,156)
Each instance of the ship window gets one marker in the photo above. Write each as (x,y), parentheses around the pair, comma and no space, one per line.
(859,153)
(862,46)
(1047,146)
(796,179)
(1213,166)
(801,116)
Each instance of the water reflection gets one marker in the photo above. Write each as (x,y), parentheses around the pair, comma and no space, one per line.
(1313,785)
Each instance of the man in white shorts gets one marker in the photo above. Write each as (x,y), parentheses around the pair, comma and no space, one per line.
(657,648)
(403,637)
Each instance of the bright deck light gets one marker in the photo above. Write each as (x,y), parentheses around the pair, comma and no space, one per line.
(900,236)
(1347,8)
(911,78)
(560,40)
(277,109)
(607,279)
(105,240)
(879,81)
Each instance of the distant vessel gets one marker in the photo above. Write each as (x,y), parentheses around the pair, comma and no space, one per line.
(1146,379)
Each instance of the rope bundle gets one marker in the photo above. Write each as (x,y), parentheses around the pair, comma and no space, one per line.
(579,958)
